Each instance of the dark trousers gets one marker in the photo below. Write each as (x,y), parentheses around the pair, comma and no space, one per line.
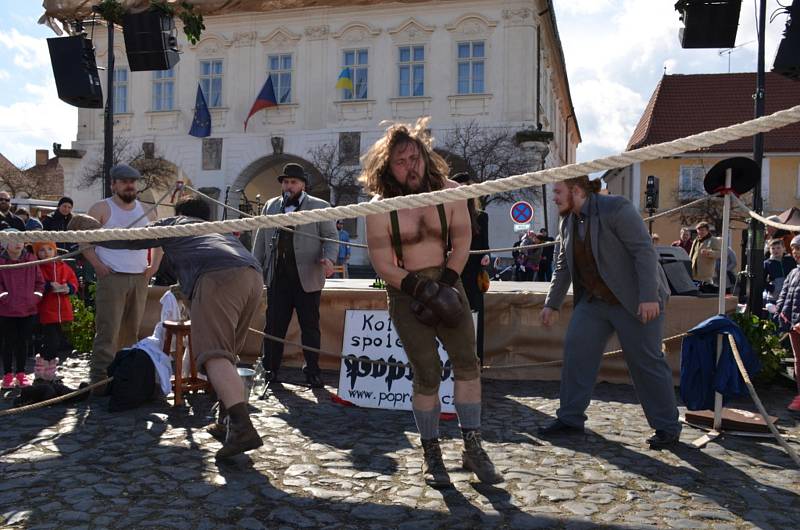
(16,333)
(54,342)
(285,296)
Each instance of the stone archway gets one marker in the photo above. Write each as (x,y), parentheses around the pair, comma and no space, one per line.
(258,182)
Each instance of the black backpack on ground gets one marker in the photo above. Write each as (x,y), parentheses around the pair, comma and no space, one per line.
(134,380)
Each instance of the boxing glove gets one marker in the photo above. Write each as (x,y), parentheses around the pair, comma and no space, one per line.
(436,297)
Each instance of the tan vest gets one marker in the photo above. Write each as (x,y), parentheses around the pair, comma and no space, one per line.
(586,273)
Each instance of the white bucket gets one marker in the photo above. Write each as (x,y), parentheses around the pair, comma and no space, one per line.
(248,379)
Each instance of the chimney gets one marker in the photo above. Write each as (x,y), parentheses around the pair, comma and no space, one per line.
(42,156)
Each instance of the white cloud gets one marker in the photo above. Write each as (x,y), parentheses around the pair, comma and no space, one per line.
(584,7)
(35,124)
(610,113)
(4,75)
(28,52)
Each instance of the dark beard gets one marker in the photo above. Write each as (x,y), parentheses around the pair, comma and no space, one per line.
(127,199)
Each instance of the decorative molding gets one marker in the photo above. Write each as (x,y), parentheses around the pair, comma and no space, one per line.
(354,109)
(163,120)
(280,39)
(317,32)
(122,121)
(283,114)
(472,24)
(244,39)
(355,32)
(211,45)
(411,31)
(219,117)
(469,104)
(522,16)
(410,107)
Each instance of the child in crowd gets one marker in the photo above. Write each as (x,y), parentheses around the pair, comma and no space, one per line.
(788,310)
(55,309)
(20,293)
(776,268)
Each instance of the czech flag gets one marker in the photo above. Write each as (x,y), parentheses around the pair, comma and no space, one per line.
(266,98)
(345,80)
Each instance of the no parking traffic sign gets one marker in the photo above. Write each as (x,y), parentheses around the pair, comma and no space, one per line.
(521,212)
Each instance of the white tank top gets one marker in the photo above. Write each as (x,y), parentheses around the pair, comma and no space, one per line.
(129,261)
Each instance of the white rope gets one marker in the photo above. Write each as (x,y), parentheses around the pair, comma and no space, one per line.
(764,220)
(652,152)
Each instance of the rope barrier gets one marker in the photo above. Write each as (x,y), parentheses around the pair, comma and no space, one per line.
(764,220)
(355,357)
(652,152)
(757,400)
(55,401)
(78,252)
(561,361)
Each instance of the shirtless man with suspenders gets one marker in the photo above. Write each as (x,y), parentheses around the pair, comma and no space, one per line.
(409,250)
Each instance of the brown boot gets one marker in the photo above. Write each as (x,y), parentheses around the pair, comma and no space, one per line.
(433,471)
(242,436)
(476,460)
(219,429)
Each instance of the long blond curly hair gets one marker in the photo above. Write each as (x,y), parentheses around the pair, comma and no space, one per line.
(377,179)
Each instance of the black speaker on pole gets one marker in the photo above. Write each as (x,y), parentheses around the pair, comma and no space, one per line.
(150,40)
(678,270)
(75,71)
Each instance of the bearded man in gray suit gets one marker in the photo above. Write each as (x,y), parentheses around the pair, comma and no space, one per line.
(295,265)
(618,286)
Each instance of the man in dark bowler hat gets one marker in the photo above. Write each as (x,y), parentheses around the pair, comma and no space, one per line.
(295,265)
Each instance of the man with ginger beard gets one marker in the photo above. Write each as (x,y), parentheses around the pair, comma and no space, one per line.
(409,250)
(607,256)
(122,275)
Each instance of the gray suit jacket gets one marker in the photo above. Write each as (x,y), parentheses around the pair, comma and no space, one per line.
(308,251)
(622,248)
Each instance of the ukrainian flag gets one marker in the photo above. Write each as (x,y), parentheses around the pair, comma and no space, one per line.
(345,80)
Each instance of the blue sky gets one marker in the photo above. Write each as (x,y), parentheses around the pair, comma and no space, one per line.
(616,51)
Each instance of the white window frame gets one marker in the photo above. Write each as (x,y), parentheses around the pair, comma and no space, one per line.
(471,61)
(120,88)
(278,75)
(355,68)
(213,99)
(163,78)
(693,176)
(412,65)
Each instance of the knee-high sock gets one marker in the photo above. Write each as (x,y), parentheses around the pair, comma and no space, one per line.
(428,421)
(469,415)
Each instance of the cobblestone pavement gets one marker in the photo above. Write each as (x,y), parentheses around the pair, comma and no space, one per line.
(328,466)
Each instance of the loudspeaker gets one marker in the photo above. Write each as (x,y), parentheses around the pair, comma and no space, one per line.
(150,40)
(708,23)
(651,193)
(787,59)
(678,270)
(75,71)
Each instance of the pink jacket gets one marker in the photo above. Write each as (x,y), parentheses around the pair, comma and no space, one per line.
(18,287)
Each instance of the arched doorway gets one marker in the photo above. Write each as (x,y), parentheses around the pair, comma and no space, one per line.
(258,182)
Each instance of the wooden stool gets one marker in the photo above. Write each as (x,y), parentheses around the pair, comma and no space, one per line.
(179,330)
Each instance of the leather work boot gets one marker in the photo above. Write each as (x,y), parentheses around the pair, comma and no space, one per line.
(433,471)
(219,429)
(241,436)
(476,460)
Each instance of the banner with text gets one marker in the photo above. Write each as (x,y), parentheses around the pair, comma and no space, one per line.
(371,336)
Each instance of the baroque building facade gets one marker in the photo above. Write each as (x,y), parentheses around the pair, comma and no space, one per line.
(472,62)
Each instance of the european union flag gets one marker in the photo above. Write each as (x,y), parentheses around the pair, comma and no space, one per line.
(201,124)
(345,80)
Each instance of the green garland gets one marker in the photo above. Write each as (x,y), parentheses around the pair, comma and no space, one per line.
(193,26)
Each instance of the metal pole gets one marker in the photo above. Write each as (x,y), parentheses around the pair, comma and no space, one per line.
(108,127)
(756,238)
(723,285)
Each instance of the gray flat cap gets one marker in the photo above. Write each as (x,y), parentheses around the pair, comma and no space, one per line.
(124,171)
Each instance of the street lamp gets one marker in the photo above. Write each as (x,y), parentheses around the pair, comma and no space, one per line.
(536,144)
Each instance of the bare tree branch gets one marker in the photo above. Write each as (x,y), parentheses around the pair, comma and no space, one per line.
(22,182)
(487,153)
(157,172)
(340,176)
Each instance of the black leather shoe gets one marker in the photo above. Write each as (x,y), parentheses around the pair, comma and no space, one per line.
(663,439)
(314,381)
(558,427)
